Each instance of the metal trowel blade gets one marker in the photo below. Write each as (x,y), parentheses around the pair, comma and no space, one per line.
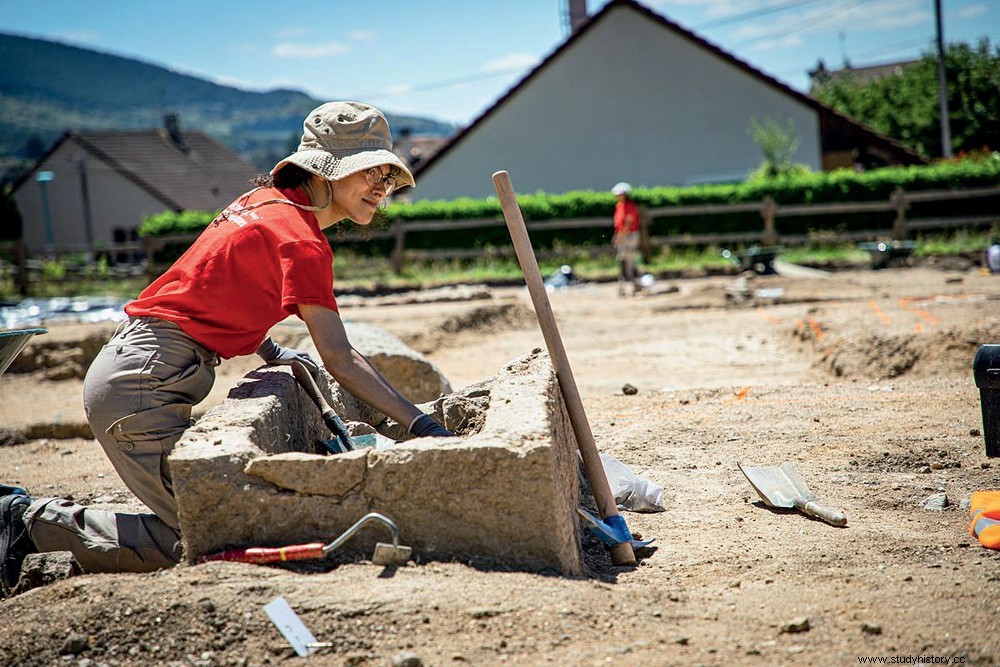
(388,554)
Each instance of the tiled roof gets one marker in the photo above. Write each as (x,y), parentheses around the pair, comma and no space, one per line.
(197,173)
(206,175)
(864,74)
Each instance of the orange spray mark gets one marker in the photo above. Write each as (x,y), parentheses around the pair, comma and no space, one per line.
(878,311)
(814,325)
(743,394)
(919,312)
(771,318)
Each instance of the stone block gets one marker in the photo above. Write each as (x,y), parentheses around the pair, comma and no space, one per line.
(504,493)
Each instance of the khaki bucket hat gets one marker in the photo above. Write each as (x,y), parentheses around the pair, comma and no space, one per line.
(343,138)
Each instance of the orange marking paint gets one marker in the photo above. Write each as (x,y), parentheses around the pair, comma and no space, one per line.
(919,312)
(770,318)
(743,394)
(814,325)
(878,311)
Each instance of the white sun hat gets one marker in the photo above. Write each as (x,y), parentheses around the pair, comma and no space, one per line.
(343,138)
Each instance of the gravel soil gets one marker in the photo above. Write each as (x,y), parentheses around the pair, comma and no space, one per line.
(862,379)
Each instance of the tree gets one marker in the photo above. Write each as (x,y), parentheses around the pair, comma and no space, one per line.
(905,106)
(778,144)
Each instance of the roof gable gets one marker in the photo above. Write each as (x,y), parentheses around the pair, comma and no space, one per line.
(826,113)
(191,171)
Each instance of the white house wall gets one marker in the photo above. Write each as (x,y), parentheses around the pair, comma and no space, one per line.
(115,201)
(630,100)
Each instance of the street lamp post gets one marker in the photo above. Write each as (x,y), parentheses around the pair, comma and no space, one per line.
(43,178)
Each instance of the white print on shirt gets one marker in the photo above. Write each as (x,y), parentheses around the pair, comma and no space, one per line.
(234,214)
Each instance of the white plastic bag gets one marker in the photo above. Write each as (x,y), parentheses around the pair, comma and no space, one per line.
(632,492)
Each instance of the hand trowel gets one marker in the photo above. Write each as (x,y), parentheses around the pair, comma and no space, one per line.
(783,487)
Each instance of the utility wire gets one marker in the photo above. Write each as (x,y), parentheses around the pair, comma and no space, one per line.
(752,14)
(471,78)
(867,58)
(811,21)
(444,83)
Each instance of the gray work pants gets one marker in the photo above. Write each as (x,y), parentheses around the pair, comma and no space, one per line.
(138,397)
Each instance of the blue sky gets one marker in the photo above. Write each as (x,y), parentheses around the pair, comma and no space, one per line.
(451,60)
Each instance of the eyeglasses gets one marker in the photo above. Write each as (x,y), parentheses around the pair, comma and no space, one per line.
(376,177)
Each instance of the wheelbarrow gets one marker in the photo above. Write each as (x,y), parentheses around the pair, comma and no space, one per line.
(11,344)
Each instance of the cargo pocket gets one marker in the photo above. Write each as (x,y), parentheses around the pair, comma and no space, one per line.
(144,441)
(159,424)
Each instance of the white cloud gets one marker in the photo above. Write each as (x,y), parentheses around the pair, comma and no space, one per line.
(288,33)
(309,51)
(511,61)
(711,8)
(825,20)
(362,35)
(973,11)
(786,42)
(399,89)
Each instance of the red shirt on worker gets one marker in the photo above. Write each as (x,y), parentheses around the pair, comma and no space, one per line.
(626,216)
(249,269)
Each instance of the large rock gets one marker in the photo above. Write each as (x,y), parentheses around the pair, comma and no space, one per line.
(406,369)
(505,492)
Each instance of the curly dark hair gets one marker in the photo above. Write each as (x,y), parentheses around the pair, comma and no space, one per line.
(288,177)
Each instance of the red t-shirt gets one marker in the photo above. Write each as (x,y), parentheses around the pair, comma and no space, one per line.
(626,212)
(248,270)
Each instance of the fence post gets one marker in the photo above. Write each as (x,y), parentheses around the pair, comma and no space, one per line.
(149,247)
(399,250)
(898,201)
(644,247)
(768,211)
(23,281)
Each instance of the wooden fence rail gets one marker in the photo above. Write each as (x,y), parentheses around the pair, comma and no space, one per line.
(767,235)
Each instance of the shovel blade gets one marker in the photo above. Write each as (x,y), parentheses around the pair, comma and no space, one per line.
(778,487)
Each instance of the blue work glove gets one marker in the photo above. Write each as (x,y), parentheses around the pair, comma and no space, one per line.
(275,355)
(424,426)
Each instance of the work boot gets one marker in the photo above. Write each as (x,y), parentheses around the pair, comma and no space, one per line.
(14,541)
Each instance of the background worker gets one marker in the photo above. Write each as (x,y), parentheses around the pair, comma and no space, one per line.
(265,257)
(626,238)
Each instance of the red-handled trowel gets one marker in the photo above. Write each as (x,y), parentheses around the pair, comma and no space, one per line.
(783,487)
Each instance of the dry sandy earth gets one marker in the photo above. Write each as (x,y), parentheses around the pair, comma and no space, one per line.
(861,378)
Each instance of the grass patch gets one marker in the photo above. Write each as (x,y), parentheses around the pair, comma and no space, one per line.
(595,263)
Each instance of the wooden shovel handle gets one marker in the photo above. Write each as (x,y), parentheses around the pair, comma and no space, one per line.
(621,554)
(828,514)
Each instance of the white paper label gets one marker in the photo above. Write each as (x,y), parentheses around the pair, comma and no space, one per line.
(286,620)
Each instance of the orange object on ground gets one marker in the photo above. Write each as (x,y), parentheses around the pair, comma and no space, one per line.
(985,512)
(261,555)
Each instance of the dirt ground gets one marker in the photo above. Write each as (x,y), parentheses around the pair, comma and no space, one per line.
(862,378)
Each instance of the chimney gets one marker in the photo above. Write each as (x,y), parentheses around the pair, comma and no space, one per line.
(577,14)
(172,124)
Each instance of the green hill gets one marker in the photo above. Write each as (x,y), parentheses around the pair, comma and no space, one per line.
(49,87)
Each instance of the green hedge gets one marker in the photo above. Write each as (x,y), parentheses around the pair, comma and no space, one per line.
(823,187)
